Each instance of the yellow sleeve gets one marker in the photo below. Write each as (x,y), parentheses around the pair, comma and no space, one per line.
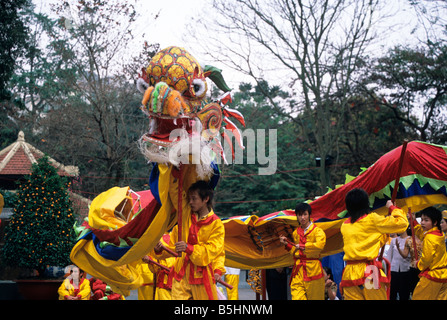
(205,253)
(315,247)
(428,249)
(418,232)
(85,290)
(397,222)
(171,245)
(169,262)
(145,271)
(219,264)
(64,289)
(296,240)
(152,267)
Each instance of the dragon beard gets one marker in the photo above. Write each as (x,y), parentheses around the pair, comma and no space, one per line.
(185,150)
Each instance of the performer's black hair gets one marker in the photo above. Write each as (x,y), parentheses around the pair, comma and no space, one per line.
(204,191)
(434,215)
(301,207)
(357,203)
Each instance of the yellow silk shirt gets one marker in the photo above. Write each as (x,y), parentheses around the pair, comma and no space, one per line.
(363,240)
(433,261)
(205,248)
(313,240)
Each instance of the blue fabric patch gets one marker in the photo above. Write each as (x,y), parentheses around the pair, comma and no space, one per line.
(414,189)
(109,252)
(216,176)
(153,182)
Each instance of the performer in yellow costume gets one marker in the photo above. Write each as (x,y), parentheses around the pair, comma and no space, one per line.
(194,269)
(443,225)
(146,290)
(164,280)
(75,287)
(219,266)
(432,284)
(182,143)
(364,234)
(307,279)
(163,275)
(232,278)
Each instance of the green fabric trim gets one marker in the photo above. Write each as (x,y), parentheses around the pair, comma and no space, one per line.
(122,243)
(216,76)
(155,102)
(80,230)
(342,214)
(407,181)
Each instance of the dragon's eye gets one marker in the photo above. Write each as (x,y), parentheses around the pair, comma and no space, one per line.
(200,87)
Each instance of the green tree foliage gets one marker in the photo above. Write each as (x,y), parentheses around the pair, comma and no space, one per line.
(76,90)
(90,40)
(411,82)
(40,231)
(242,190)
(14,44)
(313,47)
(13,39)
(371,131)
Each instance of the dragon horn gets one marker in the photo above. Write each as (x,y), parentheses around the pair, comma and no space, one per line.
(234,114)
(215,75)
(228,139)
(235,130)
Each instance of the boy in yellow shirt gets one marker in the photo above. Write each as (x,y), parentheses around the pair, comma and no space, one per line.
(195,270)
(364,234)
(432,284)
(307,280)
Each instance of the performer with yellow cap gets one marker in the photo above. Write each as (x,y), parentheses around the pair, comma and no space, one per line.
(146,290)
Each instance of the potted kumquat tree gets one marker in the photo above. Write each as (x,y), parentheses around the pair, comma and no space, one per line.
(40,232)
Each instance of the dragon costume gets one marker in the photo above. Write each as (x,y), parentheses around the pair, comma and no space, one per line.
(183,144)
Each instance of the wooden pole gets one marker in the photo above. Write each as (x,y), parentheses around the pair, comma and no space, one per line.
(399,170)
(154,289)
(396,185)
(180,204)
(413,236)
(180,221)
(169,251)
(264,284)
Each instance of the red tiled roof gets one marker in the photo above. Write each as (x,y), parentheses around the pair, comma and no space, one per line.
(17,158)
(19,164)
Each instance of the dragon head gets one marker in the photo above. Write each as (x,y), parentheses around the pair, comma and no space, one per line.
(175,88)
